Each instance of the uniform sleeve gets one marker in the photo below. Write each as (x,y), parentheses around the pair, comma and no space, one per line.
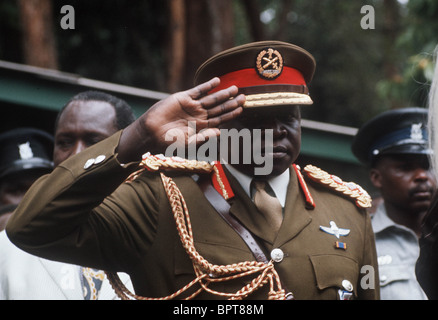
(84,213)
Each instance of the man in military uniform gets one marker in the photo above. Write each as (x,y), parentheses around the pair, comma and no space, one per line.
(186,228)
(394,145)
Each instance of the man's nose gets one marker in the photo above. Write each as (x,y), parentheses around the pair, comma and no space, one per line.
(276,125)
(422,174)
(78,147)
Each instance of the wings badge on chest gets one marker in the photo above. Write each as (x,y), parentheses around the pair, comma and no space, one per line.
(334,230)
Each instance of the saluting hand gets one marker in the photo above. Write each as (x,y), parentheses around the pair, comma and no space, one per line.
(174,114)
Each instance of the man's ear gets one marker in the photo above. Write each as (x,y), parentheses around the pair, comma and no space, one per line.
(376,177)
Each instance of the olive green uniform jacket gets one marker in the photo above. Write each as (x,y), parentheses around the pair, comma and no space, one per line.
(74,215)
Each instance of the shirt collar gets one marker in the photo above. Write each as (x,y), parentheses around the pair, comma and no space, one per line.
(380,221)
(278,184)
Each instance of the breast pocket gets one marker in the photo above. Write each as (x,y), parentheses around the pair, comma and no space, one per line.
(389,274)
(398,282)
(337,275)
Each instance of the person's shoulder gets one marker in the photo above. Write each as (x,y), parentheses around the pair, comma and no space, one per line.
(10,253)
(4,240)
(155,165)
(156,170)
(334,186)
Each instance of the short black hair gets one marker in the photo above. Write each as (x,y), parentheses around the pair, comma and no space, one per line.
(124,113)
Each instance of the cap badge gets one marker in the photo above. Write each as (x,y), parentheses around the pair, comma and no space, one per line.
(269,64)
(25,151)
(416,133)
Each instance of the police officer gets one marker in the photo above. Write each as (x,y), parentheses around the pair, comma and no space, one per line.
(394,145)
(25,155)
(194,229)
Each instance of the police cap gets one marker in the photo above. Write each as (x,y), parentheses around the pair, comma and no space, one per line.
(400,131)
(25,149)
(269,73)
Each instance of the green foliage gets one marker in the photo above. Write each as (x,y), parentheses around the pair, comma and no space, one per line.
(115,40)
(349,59)
(417,42)
(125,41)
(10,44)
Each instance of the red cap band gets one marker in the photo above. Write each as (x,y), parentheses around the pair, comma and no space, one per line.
(249,77)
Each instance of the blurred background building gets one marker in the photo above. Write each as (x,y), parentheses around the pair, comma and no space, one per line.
(143,50)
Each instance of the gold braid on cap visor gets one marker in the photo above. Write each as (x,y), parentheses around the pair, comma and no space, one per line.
(277,98)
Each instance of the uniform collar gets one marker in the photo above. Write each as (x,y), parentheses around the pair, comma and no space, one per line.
(278,184)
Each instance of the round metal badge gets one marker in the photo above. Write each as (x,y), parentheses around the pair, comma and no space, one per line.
(269,64)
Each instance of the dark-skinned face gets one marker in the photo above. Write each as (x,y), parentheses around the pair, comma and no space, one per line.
(285,122)
(405,182)
(14,186)
(82,124)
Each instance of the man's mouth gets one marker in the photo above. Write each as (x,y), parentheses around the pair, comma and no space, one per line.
(422,193)
(278,151)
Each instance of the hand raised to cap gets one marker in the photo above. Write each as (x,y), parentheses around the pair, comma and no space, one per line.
(206,111)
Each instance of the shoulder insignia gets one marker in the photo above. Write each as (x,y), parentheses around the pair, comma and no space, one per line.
(351,189)
(161,163)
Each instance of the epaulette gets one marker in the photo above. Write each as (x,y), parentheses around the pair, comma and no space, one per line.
(155,163)
(350,189)
(161,163)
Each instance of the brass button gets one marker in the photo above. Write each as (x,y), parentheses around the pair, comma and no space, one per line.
(277,255)
(89,163)
(347,285)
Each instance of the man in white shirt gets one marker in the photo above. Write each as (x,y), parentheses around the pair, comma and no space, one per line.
(86,119)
